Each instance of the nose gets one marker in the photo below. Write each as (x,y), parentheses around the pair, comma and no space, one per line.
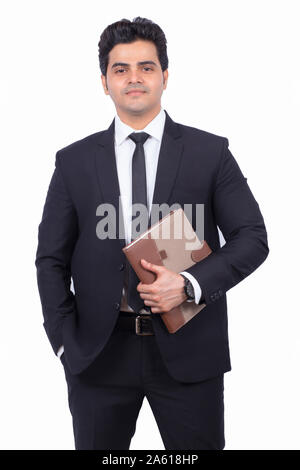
(135,77)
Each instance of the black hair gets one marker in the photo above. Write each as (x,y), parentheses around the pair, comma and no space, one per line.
(126,31)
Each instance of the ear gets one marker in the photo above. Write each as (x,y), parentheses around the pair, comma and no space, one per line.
(104,83)
(165,75)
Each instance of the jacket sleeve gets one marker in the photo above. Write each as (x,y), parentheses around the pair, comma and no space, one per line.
(239,218)
(57,235)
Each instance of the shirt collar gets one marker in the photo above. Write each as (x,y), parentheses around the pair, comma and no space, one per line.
(155,128)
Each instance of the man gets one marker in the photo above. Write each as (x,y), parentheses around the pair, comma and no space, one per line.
(143,157)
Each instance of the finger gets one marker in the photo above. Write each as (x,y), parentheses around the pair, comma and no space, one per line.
(146,296)
(145,288)
(155,310)
(150,303)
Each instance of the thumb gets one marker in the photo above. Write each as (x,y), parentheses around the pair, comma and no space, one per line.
(150,266)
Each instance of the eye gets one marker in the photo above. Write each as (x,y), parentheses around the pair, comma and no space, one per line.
(148,68)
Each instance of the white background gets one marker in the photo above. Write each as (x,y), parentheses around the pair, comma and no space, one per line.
(233,71)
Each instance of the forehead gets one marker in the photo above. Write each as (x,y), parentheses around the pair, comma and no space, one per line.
(133,52)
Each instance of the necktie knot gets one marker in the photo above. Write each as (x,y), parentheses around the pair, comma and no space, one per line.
(139,137)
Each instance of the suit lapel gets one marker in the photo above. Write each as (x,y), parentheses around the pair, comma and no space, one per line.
(170,155)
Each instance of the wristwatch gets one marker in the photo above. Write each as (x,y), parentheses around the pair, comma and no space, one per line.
(188,288)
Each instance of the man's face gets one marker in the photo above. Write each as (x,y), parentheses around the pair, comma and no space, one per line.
(125,72)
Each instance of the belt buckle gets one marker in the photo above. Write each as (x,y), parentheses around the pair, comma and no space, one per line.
(138,326)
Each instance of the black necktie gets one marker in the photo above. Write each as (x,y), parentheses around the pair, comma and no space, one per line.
(139,195)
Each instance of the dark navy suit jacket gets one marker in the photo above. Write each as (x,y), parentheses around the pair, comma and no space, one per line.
(194,167)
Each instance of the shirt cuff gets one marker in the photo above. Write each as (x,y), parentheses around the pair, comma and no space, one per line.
(60,351)
(195,284)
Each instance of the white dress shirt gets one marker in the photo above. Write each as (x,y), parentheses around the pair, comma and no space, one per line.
(124,150)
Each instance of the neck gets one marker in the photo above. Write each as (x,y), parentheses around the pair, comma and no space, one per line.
(138,122)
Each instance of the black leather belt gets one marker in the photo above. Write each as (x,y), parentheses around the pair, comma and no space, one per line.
(140,324)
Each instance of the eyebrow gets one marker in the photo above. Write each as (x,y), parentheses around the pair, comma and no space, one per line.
(116,64)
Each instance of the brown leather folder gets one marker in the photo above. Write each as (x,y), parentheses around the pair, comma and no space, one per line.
(173,243)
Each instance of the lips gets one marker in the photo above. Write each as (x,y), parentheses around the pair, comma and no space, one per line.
(135,92)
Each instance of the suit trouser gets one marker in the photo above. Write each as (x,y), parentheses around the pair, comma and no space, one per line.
(105,399)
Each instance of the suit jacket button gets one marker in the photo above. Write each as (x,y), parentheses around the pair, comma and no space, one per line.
(122,266)
(117,306)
